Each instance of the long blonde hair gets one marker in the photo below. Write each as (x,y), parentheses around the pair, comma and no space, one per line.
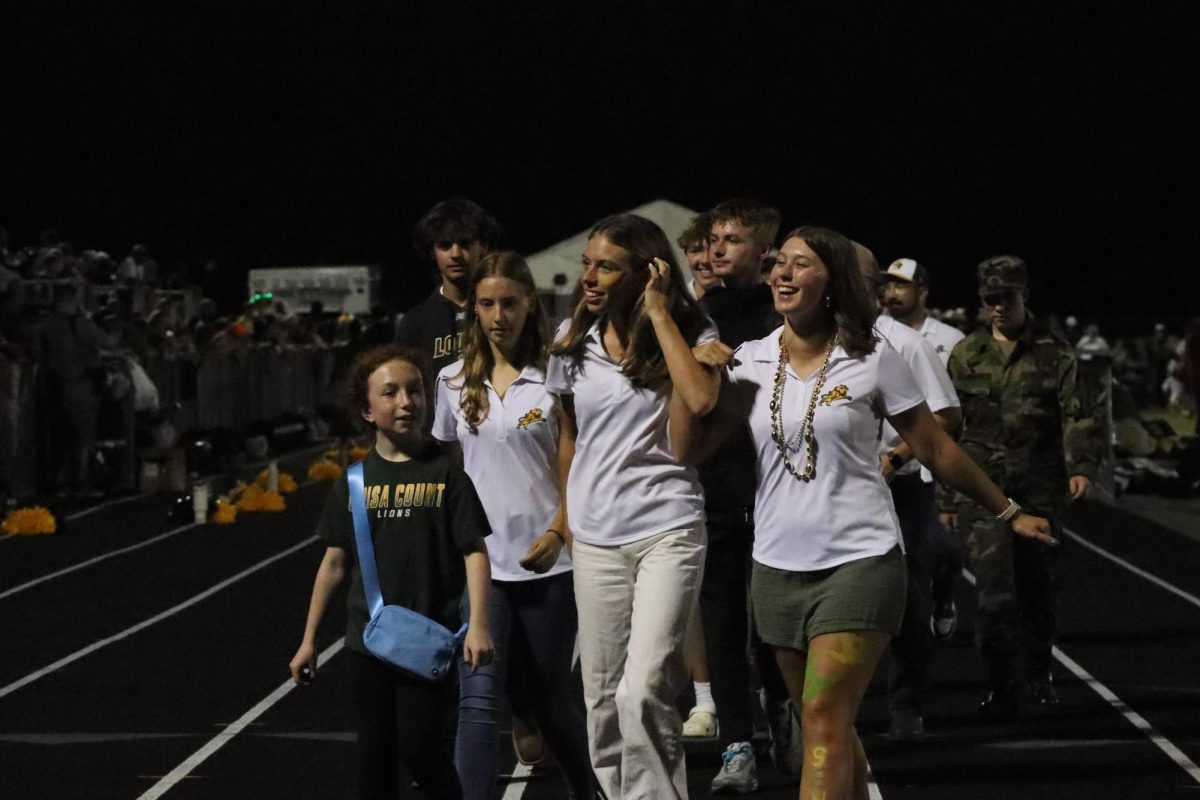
(643,363)
(478,360)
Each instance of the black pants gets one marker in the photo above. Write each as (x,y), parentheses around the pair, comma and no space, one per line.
(725,610)
(912,649)
(401,721)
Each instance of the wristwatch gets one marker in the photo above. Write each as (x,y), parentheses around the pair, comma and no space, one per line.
(895,460)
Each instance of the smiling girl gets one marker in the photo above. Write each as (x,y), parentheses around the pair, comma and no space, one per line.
(624,370)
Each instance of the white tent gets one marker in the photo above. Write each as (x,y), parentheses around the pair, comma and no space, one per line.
(563,258)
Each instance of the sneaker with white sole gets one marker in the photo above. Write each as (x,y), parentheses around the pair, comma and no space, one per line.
(701,724)
(739,770)
(944,620)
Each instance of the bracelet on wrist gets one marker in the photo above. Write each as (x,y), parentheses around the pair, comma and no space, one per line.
(561,538)
(1007,514)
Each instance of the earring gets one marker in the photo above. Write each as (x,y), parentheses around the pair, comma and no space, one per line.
(828,301)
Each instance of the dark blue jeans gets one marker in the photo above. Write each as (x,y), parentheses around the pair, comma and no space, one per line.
(533,626)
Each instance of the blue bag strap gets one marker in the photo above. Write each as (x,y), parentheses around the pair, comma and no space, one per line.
(362,539)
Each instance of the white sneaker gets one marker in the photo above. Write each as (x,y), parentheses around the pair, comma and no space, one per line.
(739,770)
(701,724)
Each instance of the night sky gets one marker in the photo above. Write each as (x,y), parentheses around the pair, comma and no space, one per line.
(943,131)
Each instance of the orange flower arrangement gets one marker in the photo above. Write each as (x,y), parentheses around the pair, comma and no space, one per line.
(323,470)
(29,521)
(226,512)
(358,453)
(287,483)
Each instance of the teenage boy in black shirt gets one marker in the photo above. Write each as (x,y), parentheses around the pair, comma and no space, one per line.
(453,236)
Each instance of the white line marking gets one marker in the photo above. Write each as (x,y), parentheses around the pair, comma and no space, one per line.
(78,654)
(1136,719)
(516,789)
(96,560)
(224,737)
(94,509)
(1159,582)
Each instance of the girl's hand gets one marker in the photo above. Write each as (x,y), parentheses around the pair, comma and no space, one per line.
(658,282)
(713,354)
(477,647)
(304,664)
(1033,527)
(543,553)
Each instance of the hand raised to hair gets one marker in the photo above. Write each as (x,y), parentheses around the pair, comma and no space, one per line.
(655,297)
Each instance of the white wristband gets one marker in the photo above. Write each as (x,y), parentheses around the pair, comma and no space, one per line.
(1010,512)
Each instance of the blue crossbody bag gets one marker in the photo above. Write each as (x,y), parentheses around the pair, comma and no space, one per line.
(395,634)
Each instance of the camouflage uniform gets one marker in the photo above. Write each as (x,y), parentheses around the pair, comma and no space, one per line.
(1029,422)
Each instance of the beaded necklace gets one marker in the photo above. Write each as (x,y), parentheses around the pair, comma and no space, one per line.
(806,431)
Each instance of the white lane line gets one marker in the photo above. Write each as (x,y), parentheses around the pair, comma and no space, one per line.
(78,654)
(518,782)
(873,787)
(30,584)
(233,729)
(96,560)
(1141,573)
(1136,719)
(107,504)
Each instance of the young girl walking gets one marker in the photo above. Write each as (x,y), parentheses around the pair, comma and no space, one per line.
(492,405)
(427,527)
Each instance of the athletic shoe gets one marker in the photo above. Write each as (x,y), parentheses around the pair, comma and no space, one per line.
(701,724)
(787,743)
(944,620)
(739,770)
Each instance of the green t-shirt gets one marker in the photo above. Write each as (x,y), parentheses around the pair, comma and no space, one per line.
(422,513)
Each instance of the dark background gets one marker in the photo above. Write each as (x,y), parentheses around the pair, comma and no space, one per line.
(943,131)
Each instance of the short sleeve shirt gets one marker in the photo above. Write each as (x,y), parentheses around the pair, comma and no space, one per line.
(512,458)
(624,484)
(929,371)
(943,337)
(423,513)
(845,513)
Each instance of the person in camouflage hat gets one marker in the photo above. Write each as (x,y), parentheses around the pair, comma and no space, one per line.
(1031,424)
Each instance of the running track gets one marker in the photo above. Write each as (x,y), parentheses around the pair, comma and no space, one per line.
(143,658)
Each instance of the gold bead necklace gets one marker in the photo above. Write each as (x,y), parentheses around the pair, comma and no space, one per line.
(806,431)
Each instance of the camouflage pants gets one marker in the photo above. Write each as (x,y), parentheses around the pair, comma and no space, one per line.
(1017,591)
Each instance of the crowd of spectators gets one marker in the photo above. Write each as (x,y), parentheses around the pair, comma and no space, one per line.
(108,321)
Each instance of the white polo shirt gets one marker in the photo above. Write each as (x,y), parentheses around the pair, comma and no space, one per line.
(930,373)
(512,460)
(845,513)
(624,484)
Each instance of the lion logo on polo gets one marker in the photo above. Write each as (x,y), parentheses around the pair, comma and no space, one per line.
(839,392)
(532,417)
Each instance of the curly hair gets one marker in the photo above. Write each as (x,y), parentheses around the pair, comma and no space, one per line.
(364,365)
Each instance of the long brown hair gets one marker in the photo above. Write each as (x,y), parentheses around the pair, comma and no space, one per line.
(852,308)
(478,360)
(643,363)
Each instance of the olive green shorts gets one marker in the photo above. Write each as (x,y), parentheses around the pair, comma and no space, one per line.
(790,608)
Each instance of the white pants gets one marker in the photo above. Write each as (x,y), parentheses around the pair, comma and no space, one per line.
(634,601)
